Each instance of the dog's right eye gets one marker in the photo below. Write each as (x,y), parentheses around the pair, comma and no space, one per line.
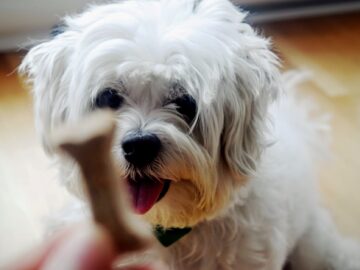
(186,105)
(109,98)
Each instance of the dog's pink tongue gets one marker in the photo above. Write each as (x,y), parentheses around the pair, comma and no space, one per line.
(144,193)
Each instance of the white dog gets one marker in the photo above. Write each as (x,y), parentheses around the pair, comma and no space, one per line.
(206,137)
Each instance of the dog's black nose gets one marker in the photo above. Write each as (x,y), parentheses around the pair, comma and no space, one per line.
(141,148)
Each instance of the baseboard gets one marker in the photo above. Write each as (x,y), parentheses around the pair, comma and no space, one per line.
(295,9)
(21,41)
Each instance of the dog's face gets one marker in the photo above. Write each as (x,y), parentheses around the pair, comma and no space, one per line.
(189,82)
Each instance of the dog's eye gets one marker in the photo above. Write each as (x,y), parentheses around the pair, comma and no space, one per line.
(186,105)
(109,98)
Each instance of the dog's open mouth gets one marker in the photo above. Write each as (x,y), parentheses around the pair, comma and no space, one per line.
(146,191)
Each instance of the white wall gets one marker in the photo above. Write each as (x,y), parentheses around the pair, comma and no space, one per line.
(21,20)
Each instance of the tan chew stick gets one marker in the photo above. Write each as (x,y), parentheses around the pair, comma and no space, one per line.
(89,144)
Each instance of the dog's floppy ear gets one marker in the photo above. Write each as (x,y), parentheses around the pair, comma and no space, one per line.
(256,84)
(44,65)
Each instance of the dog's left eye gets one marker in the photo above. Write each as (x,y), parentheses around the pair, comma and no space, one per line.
(109,98)
(186,105)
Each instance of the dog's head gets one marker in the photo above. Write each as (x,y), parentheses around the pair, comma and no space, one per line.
(189,82)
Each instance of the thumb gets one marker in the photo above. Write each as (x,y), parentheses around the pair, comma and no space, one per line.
(86,247)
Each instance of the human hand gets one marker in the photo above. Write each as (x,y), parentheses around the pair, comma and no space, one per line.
(81,247)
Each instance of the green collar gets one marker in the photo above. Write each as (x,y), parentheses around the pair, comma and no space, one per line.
(169,236)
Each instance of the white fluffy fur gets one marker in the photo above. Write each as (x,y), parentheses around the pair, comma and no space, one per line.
(243,173)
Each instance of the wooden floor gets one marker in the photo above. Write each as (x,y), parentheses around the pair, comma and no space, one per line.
(28,189)
(329,47)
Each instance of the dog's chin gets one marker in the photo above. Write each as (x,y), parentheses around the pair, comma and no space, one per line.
(146,191)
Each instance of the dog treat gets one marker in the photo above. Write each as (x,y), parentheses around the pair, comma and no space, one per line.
(89,144)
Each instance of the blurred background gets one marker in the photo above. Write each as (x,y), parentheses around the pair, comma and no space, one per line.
(23,21)
(320,36)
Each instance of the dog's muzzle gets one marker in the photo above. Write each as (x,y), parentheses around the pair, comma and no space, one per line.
(141,149)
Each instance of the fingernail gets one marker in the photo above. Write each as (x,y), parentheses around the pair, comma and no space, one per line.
(87,248)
